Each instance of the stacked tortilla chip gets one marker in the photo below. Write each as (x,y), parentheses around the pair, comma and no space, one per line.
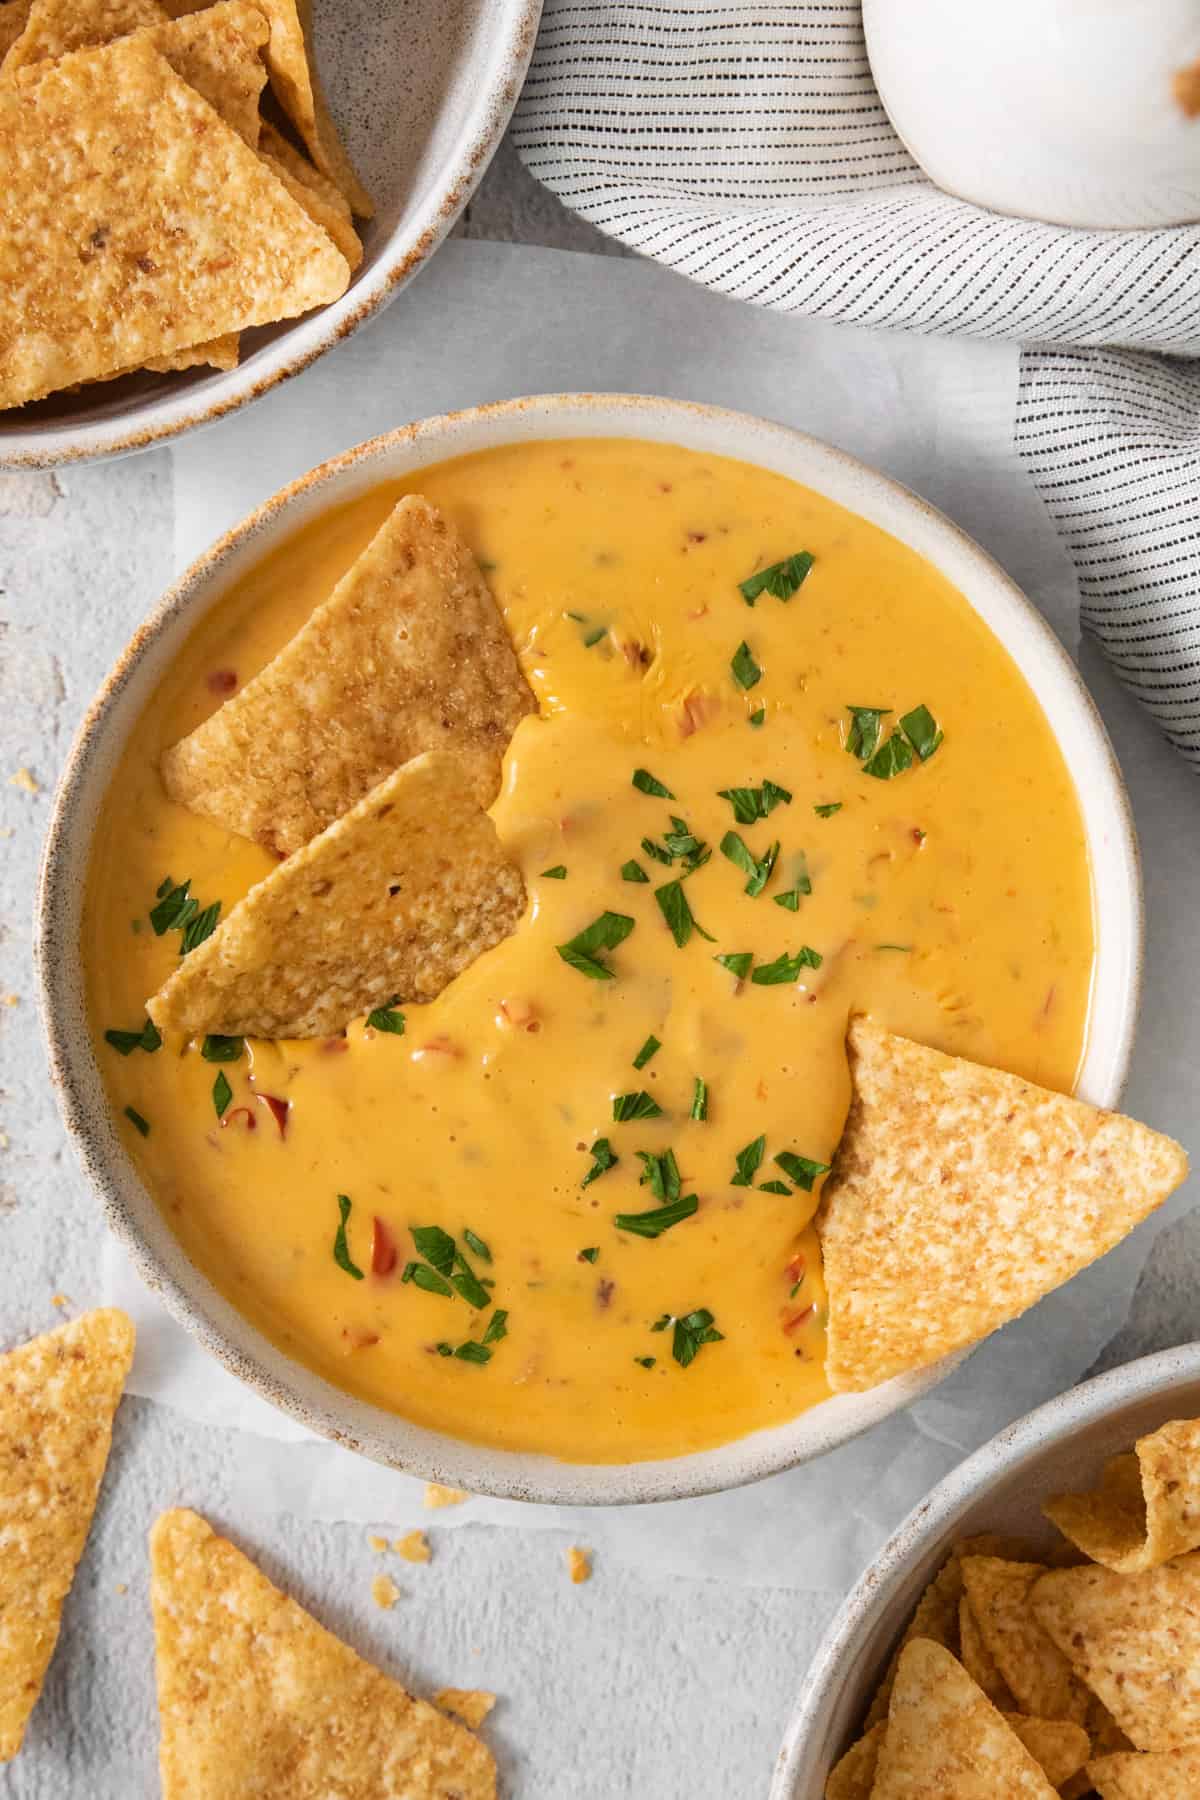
(365,754)
(1022,1673)
(151,215)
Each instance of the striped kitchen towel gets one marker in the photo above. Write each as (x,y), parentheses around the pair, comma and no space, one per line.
(745,145)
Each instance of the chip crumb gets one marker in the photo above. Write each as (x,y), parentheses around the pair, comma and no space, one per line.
(414,1548)
(579,1564)
(384,1592)
(471,1705)
(10,999)
(57,1299)
(23,779)
(376,1542)
(438,1495)
(122,1587)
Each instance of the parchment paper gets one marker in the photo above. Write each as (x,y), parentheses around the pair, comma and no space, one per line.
(488,321)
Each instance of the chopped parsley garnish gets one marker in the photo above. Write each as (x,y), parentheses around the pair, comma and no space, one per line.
(436,1246)
(221,1049)
(801,886)
(661,1218)
(590,1254)
(222,1094)
(174,908)
(604,933)
(650,1048)
(497,1326)
(465,1282)
(149,1038)
(827,811)
(594,637)
(661,1323)
(557,873)
(745,670)
(476,1246)
(921,729)
(800,1169)
(656,851)
(758,717)
(386,1018)
(135,1118)
(774,1187)
(473,1353)
(757,868)
(905,949)
(691,1332)
(199,928)
(341,1249)
(892,758)
(649,784)
(753,803)
(683,844)
(633,871)
(786,968)
(863,735)
(635,1106)
(790,899)
(780,580)
(603,1157)
(662,1172)
(738,962)
(673,904)
(422,1276)
(699,1098)
(645,1362)
(748,1161)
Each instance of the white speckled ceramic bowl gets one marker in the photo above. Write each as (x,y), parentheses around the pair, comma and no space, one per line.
(1059,1448)
(423,91)
(132,1213)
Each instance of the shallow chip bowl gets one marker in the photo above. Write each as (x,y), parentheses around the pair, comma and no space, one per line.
(131,1212)
(422,91)
(1060,1448)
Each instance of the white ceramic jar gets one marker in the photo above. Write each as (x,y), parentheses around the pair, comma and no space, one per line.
(1079,112)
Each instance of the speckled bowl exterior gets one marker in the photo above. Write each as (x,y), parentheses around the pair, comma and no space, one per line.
(1061,1447)
(130,1210)
(422,91)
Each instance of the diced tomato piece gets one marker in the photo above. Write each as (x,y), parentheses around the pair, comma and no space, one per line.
(383,1248)
(279,1110)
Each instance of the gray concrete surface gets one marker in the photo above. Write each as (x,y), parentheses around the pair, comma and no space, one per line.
(626,1686)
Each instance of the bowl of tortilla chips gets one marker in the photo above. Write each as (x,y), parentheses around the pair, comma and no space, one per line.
(201,196)
(1033,1628)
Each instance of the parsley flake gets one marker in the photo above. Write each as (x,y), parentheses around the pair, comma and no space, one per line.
(673,904)
(758,717)
(436,1246)
(603,1158)
(422,1276)
(473,1353)
(590,1254)
(693,1331)
(386,1018)
(699,1098)
(199,928)
(149,1038)
(921,729)
(605,933)
(557,873)
(745,670)
(748,1161)
(800,1169)
(341,1249)
(640,1105)
(661,1218)
(828,809)
(216,1049)
(774,1187)
(863,735)
(786,968)
(135,1119)
(661,1170)
(649,1049)
(737,962)
(497,1326)
(757,868)
(649,784)
(476,1246)
(892,758)
(781,579)
(633,871)
(222,1094)
(645,1362)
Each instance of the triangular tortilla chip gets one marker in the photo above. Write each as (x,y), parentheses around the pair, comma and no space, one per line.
(1037,1673)
(1170,1775)
(853,1777)
(945,1738)
(409,653)
(1058,1748)
(136,223)
(297,86)
(256,1698)
(58,1395)
(1147,1508)
(391,903)
(14,16)
(54,27)
(960,1196)
(1135,1640)
(979,1662)
(936,1617)
(332,219)
(217,52)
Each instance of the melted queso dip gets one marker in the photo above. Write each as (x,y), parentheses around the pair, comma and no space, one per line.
(949,896)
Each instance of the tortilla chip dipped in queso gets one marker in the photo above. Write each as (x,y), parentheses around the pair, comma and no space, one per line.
(500,860)
(58,1396)
(254,1697)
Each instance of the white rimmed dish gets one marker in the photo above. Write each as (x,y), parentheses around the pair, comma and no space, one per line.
(1061,1447)
(423,91)
(132,1213)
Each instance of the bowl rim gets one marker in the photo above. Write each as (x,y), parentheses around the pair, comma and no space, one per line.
(934,1518)
(331,1412)
(166,414)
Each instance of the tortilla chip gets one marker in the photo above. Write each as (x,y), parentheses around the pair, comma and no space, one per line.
(1135,1640)
(945,1738)
(409,653)
(470,1705)
(55,27)
(1147,1508)
(389,904)
(333,219)
(217,52)
(218,353)
(854,1776)
(1169,1775)
(979,1662)
(58,1395)
(137,224)
(936,1618)
(1038,1674)
(960,1196)
(297,86)
(14,16)
(254,1697)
